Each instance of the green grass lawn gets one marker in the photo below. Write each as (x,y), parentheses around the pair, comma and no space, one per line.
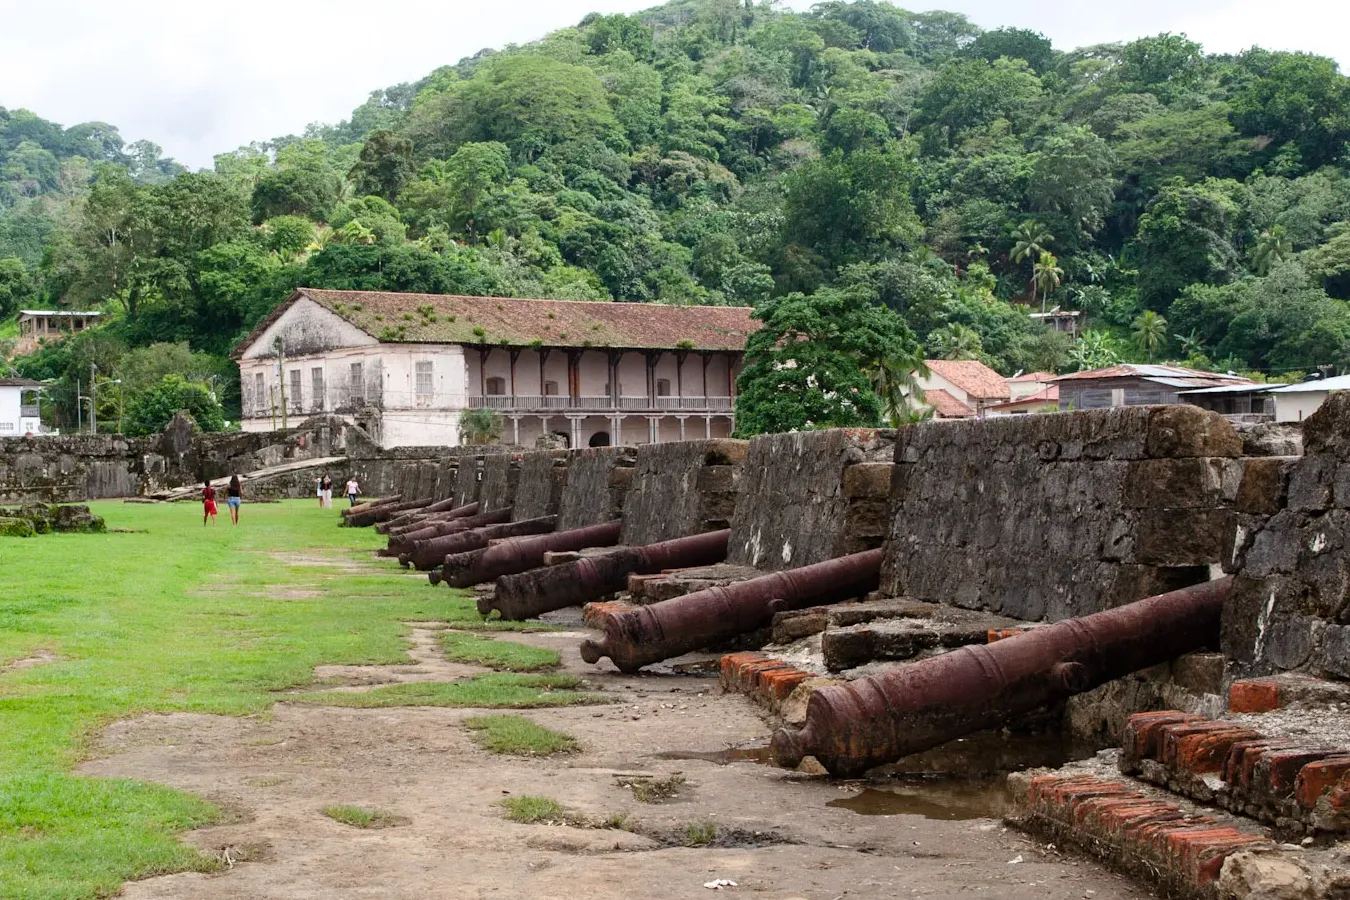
(180,618)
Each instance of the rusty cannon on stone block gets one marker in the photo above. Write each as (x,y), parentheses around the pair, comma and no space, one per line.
(427,554)
(381,513)
(412,517)
(403,543)
(915,707)
(430,526)
(539,591)
(370,506)
(638,637)
(520,554)
(405,532)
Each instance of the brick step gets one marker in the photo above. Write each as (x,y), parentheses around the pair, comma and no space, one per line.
(1189,851)
(768,681)
(1275,778)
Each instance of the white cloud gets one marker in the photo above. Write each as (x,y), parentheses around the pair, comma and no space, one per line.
(200,79)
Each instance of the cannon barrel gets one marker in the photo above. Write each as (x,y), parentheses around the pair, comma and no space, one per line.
(911,708)
(424,523)
(522,554)
(381,513)
(440,509)
(439,527)
(638,637)
(404,551)
(431,552)
(367,505)
(529,594)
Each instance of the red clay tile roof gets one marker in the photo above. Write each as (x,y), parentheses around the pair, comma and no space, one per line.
(507,321)
(971,376)
(946,406)
(1033,376)
(1042,397)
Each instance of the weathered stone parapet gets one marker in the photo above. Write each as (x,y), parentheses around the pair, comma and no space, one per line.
(1053,516)
(793,508)
(679,489)
(1290,608)
(540,485)
(597,481)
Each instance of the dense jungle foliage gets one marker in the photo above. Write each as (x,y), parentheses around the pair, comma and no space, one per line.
(888,184)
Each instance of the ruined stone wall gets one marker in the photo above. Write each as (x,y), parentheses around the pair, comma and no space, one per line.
(680,489)
(1052,516)
(501,474)
(597,479)
(468,479)
(540,485)
(1290,606)
(792,509)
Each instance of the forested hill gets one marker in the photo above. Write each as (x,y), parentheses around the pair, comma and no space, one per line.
(1194,207)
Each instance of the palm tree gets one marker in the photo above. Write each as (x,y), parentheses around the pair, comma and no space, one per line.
(896,381)
(958,341)
(1045,276)
(1272,247)
(480,426)
(1150,331)
(1191,344)
(1029,240)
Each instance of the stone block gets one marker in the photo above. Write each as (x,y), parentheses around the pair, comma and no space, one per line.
(1182,430)
(1254,695)
(1192,483)
(721,479)
(1312,481)
(1327,431)
(870,480)
(1183,537)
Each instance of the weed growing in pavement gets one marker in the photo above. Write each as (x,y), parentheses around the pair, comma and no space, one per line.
(507,655)
(698,834)
(360,817)
(518,735)
(647,789)
(529,810)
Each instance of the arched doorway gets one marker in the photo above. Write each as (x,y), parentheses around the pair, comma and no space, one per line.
(600,439)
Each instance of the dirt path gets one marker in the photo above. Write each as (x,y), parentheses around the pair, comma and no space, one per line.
(790,835)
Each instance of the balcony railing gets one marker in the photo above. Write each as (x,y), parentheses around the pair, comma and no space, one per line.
(535,403)
(30,411)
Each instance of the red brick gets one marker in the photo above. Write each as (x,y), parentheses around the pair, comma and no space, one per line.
(781,684)
(1339,796)
(1317,778)
(1171,736)
(1142,731)
(998,634)
(1254,695)
(1242,759)
(1277,770)
(729,668)
(1207,752)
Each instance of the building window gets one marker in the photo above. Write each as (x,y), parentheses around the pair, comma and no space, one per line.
(260,404)
(358,382)
(425,389)
(550,388)
(316,385)
(663,387)
(496,387)
(296,398)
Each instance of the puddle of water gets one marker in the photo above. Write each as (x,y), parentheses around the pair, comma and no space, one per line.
(757,753)
(950,800)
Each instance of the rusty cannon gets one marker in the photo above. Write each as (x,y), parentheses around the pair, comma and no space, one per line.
(915,707)
(638,637)
(521,554)
(381,513)
(431,552)
(369,506)
(411,517)
(528,594)
(402,542)
(430,526)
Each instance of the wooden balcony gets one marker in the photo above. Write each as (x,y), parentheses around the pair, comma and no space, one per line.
(534,404)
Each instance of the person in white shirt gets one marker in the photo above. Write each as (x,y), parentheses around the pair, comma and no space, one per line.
(352,490)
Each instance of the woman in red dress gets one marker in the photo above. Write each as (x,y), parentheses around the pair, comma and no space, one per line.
(208,503)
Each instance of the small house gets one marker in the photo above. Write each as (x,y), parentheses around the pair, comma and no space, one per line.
(1135,385)
(19,412)
(961,388)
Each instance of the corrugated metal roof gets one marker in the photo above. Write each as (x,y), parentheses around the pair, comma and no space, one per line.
(1339,383)
(1233,389)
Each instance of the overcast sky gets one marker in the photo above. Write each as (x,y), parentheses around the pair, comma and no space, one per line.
(202,78)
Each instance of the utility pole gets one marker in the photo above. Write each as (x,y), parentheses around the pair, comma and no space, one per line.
(93,392)
(79,410)
(281,376)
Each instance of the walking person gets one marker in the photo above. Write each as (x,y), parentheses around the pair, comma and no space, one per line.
(318,490)
(353,488)
(234,498)
(326,492)
(208,503)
